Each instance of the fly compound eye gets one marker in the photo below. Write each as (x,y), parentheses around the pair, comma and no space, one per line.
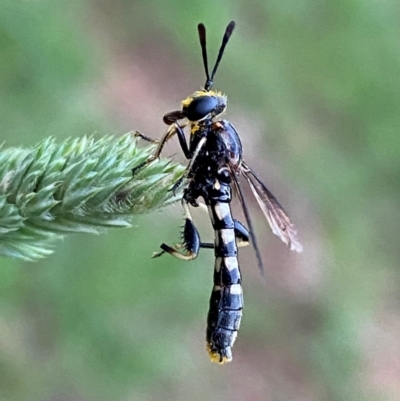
(199,107)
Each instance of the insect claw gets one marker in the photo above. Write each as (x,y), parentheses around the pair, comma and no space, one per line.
(146,138)
(157,254)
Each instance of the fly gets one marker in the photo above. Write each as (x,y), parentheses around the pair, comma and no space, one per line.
(215,159)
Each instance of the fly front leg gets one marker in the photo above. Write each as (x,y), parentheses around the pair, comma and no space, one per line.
(145,137)
(189,248)
(171,131)
(189,167)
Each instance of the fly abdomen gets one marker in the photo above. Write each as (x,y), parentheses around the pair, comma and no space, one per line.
(223,321)
(226,302)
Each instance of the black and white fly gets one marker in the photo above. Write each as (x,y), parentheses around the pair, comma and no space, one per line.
(215,159)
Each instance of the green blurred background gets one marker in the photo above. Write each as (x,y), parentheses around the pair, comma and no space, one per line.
(314,90)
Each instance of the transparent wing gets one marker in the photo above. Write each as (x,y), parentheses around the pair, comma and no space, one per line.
(277,218)
(239,194)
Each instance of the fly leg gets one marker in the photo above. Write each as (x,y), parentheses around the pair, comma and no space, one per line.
(189,248)
(241,234)
(191,241)
(189,167)
(145,137)
(171,131)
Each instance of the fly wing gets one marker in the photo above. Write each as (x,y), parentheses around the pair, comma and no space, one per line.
(239,194)
(277,218)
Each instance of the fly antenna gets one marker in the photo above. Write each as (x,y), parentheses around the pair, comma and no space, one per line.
(202,36)
(225,39)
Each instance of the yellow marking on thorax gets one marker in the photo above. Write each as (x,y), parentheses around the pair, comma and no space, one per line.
(194,128)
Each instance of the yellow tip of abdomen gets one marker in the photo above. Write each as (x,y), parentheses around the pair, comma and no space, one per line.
(217,357)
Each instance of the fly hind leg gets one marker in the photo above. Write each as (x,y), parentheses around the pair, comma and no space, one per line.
(190,244)
(189,248)
(241,234)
